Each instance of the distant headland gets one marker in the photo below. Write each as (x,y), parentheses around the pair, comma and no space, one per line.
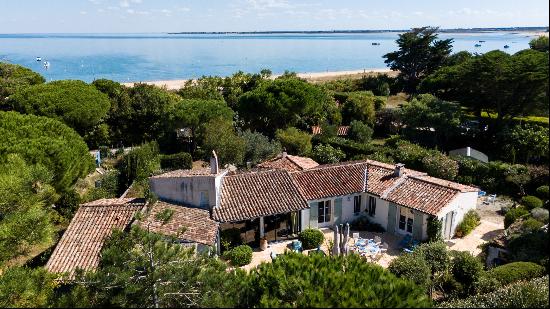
(454,30)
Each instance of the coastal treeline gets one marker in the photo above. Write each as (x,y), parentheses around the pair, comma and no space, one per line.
(494,102)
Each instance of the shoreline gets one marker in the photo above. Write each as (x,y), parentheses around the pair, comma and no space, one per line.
(177,84)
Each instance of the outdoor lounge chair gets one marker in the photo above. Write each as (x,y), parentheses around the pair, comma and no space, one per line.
(378,240)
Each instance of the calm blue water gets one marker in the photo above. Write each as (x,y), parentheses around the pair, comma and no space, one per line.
(146,57)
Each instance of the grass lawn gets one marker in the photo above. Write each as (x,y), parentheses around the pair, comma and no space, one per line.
(394,101)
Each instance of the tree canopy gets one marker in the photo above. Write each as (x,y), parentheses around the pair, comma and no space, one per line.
(46,141)
(420,54)
(496,82)
(283,103)
(14,77)
(79,105)
(540,44)
(296,280)
(25,196)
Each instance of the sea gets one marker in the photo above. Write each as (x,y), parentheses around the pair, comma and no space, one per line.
(163,56)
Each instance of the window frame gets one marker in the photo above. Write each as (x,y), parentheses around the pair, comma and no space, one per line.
(372,206)
(324,213)
(357,204)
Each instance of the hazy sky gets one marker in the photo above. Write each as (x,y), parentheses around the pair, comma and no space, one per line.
(23,16)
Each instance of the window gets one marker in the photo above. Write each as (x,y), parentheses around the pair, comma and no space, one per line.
(324,212)
(357,204)
(402,222)
(372,206)
(409,225)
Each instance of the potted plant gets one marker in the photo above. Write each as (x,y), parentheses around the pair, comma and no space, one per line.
(263,243)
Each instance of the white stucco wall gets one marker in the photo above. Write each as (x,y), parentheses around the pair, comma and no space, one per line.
(381,214)
(186,190)
(461,204)
(305,219)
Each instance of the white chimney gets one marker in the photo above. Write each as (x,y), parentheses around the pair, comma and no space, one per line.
(284,154)
(399,169)
(214,163)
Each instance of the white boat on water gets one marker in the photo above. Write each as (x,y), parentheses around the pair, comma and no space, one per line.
(38,58)
(46,65)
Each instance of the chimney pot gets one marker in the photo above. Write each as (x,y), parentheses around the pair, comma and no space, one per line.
(214,163)
(399,169)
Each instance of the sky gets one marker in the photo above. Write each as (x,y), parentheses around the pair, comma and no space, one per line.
(144,16)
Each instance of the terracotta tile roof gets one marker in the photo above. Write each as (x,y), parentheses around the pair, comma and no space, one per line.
(198,226)
(251,195)
(289,163)
(447,183)
(186,173)
(420,195)
(331,180)
(341,131)
(81,243)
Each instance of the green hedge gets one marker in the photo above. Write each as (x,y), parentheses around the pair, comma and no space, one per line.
(469,222)
(513,214)
(531,202)
(240,255)
(411,267)
(182,160)
(311,238)
(542,192)
(529,294)
(516,271)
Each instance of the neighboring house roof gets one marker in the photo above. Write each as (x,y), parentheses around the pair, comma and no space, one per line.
(256,194)
(341,131)
(333,180)
(199,227)
(93,222)
(186,173)
(289,163)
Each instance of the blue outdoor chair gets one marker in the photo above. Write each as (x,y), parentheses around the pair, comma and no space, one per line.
(405,241)
(297,246)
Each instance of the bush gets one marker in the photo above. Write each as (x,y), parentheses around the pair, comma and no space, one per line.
(434,228)
(531,202)
(466,268)
(542,192)
(176,161)
(529,294)
(526,247)
(362,223)
(516,271)
(327,154)
(240,255)
(360,132)
(139,163)
(435,254)
(412,268)
(440,166)
(294,141)
(14,77)
(513,214)
(540,214)
(469,222)
(531,225)
(311,238)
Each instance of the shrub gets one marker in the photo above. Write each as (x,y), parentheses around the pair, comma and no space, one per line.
(14,77)
(466,268)
(435,254)
(440,165)
(362,223)
(542,192)
(412,268)
(434,229)
(531,225)
(516,271)
(540,214)
(360,132)
(531,202)
(327,154)
(295,142)
(513,214)
(176,161)
(311,238)
(240,255)
(527,247)
(529,294)
(139,163)
(469,222)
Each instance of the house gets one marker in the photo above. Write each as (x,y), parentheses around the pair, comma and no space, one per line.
(341,130)
(93,223)
(280,202)
(470,152)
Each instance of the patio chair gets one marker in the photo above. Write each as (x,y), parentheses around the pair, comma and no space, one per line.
(378,240)
(384,248)
(405,241)
(355,237)
(297,246)
(273,255)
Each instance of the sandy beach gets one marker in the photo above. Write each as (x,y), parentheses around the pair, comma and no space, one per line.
(311,76)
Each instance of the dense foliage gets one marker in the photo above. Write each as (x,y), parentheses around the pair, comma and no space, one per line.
(531,202)
(240,255)
(181,160)
(325,154)
(294,141)
(296,280)
(26,288)
(40,140)
(79,105)
(259,147)
(14,77)
(470,221)
(220,136)
(139,163)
